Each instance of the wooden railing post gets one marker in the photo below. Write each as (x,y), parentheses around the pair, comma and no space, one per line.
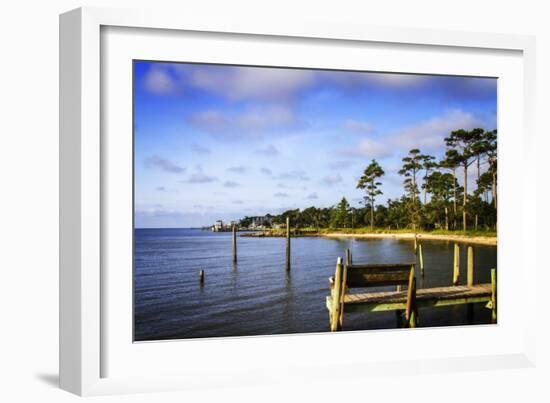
(470,274)
(410,311)
(493,295)
(343,290)
(335,317)
(421,258)
(456,264)
(348,257)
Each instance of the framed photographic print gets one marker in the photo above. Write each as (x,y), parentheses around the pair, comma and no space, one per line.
(255,195)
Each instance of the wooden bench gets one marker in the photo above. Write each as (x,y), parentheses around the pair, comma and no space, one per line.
(372,275)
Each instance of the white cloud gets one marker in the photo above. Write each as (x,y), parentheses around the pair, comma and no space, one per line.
(354,81)
(269,151)
(158,81)
(200,149)
(332,179)
(230,184)
(358,126)
(340,164)
(312,196)
(238,83)
(253,121)
(210,120)
(238,169)
(297,174)
(266,171)
(428,135)
(200,177)
(161,163)
(368,149)
(396,79)
(265,118)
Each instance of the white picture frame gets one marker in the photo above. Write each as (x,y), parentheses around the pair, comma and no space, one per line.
(86,333)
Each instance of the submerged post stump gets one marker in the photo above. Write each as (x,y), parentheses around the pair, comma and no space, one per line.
(234,244)
(456,264)
(288,243)
(201,277)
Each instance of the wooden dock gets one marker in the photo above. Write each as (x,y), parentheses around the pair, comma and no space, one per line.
(349,275)
(426,297)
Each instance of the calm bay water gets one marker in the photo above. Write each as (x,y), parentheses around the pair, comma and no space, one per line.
(257,296)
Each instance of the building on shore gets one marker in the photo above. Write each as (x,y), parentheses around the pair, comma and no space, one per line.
(260,222)
(220,226)
(247,223)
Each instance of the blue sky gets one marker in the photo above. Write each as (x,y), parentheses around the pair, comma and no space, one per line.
(222,142)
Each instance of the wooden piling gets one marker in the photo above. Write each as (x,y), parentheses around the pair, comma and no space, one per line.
(348,257)
(288,243)
(410,311)
(412,321)
(415,244)
(456,264)
(343,290)
(201,277)
(470,274)
(336,306)
(470,282)
(421,258)
(234,244)
(494,295)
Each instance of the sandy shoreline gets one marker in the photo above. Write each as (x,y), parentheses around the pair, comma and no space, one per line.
(481,240)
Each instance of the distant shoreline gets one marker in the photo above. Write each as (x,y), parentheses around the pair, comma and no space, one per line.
(476,239)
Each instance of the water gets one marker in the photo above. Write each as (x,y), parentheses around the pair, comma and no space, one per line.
(257,296)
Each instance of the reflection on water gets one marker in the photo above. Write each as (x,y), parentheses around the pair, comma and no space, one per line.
(257,296)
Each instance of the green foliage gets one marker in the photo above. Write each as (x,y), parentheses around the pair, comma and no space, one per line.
(341,215)
(444,200)
(369,183)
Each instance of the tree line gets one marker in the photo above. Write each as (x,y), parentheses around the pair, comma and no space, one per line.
(433,198)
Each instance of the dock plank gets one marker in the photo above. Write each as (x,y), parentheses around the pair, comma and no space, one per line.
(427,297)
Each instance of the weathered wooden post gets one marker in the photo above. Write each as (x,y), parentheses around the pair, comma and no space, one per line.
(348,257)
(421,258)
(335,314)
(201,277)
(470,282)
(470,274)
(410,310)
(288,243)
(234,244)
(415,244)
(343,291)
(456,264)
(493,295)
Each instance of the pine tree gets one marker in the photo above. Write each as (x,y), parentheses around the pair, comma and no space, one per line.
(368,182)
